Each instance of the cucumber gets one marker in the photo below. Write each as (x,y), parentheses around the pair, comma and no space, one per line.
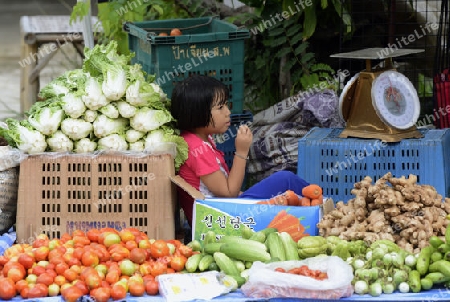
(426,283)
(193,262)
(205,262)
(258,236)
(211,248)
(267,231)
(247,232)
(210,237)
(423,261)
(225,264)
(435,241)
(276,248)
(414,281)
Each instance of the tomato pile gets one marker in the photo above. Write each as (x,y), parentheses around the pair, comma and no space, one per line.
(103,263)
(304,270)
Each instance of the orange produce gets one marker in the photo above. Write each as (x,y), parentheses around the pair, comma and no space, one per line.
(138,255)
(177,263)
(101,294)
(89,258)
(159,248)
(292,198)
(72,294)
(136,288)
(305,202)
(152,287)
(118,292)
(105,263)
(317,201)
(312,191)
(175,32)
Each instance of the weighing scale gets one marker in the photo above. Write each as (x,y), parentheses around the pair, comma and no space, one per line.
(379,102)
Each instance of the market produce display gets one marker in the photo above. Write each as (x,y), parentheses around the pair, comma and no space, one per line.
(111,264)
(396,209)
(102,263)
(107,105)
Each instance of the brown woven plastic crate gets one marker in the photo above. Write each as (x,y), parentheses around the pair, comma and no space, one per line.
(59,194)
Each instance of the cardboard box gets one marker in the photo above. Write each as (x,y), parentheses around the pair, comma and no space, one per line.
(59,194)
(227,216)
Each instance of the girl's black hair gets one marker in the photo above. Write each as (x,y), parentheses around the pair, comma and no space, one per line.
(193,99)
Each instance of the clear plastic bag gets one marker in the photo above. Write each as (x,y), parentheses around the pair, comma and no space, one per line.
(265,282)
(10,157)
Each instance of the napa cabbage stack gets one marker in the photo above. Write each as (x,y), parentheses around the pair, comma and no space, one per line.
(107,104)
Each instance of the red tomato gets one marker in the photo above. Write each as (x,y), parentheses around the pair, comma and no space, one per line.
(36,292)
(112,276)
(185,250)
(93,234)
(152,287)
(24,292)
(101,294)
(89,258)
(26,260)
(118,292)
(3,260)
(72,294)
(158,268)
(21,284)
(159,249)
(136,289)
(280,269)
(45,278)
(82,286)
(16,273)
(138,255)
(178,262)
(70,275)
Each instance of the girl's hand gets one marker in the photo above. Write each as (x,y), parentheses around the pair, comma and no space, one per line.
(243,140)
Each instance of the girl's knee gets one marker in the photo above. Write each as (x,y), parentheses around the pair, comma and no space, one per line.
(293,180)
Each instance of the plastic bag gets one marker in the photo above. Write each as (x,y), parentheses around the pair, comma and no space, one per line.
(265,282)
(10,157)
(187,287)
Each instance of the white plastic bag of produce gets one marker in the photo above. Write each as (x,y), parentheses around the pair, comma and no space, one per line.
(192,286)
(265,282)
(10,157)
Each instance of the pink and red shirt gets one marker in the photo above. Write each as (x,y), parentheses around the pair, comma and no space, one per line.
(204,158)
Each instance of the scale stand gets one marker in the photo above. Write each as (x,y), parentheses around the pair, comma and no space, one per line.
(379,102)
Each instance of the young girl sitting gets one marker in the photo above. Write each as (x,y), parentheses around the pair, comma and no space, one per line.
(200,106)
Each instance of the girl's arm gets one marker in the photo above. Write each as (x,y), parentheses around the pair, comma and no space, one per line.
(217,182)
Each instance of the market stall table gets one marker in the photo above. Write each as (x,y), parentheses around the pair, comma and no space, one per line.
(439,294)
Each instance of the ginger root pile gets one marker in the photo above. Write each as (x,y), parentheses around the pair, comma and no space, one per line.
(397,209)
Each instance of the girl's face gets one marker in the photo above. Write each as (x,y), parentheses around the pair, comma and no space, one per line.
(220,117)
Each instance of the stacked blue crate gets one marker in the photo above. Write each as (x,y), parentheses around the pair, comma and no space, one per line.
(337,163)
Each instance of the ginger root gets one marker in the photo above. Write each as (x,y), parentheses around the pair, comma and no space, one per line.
(394,208)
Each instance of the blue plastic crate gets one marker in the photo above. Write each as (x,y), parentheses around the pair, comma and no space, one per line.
(337,163)
(225,142)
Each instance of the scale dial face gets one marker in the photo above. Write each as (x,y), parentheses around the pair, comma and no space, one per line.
(395,100)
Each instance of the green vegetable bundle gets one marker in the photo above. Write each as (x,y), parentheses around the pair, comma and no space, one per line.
(107,105)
